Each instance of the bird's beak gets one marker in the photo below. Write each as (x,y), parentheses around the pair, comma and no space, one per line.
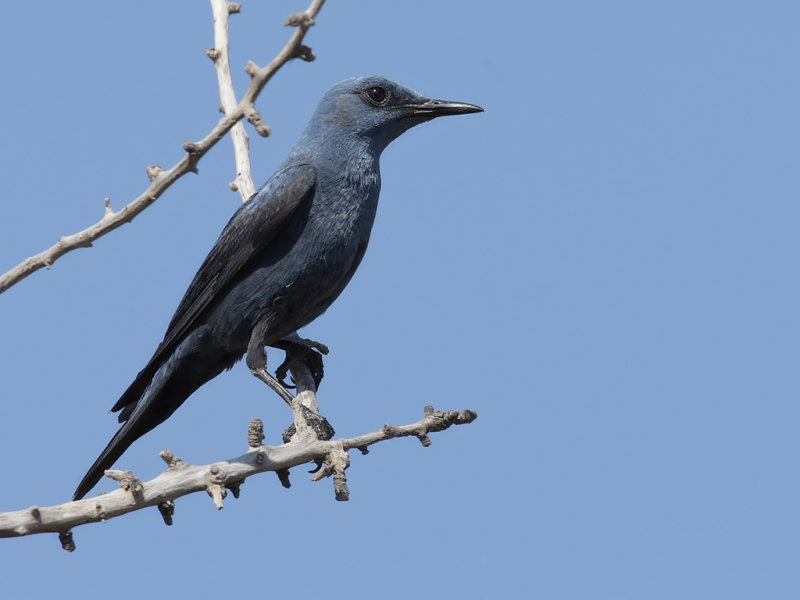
(441,108)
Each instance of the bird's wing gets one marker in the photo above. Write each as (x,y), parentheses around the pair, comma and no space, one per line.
(251,228)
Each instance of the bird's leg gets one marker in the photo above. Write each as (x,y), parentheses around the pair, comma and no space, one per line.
(257,362)
(261,372)
(305,350)
(304,358)
(304,407)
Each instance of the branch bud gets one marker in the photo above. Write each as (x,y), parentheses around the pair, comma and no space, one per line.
(153,171)
(299,19)
(67,543)
(254,117)
(190,146)
(251,68)
(305,53)
(173,462)
(255,432)
(127,481)
(167,509)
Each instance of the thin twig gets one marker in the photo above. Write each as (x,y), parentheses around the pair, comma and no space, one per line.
(161,180)
(220,54)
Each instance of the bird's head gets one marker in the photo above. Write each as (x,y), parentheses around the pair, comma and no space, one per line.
(378,109)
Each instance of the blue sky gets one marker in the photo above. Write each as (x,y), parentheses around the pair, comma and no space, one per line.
(602,265)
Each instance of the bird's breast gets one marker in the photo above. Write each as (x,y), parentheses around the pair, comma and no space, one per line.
(323,257)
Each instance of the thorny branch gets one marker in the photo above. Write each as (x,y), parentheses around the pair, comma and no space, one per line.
(161,180)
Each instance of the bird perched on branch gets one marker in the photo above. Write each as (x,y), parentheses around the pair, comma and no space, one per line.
(282,259)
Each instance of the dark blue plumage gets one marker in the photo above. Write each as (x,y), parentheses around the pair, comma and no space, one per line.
(284,256)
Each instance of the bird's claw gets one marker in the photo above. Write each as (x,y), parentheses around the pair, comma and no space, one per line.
(307,351)
(282,371)
(322,348)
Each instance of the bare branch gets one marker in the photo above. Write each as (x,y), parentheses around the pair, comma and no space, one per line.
(181,478)
(161,181)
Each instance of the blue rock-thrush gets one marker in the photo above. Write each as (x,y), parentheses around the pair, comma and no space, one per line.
(282,259)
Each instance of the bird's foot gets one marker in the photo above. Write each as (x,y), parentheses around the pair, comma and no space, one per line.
(305,350)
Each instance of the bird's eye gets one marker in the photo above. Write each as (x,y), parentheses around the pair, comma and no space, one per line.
(376,94)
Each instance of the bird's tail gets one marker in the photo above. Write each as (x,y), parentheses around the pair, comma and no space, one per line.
(143,406)
(136,404)
(159,389)
(118,444)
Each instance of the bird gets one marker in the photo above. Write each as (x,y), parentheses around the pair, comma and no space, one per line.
(284,256)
